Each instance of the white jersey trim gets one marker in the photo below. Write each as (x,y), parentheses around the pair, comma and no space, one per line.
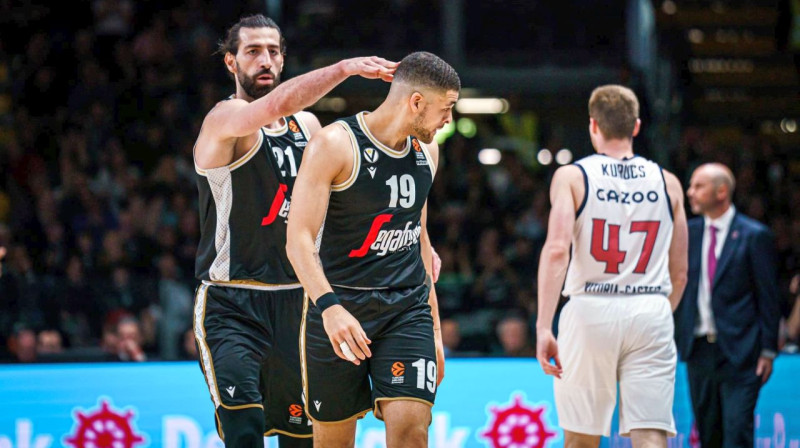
(387,150)
(221,184)
(236,164)
(356,161)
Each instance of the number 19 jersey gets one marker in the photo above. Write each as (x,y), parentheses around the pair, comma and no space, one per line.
(623,229)
(370,238)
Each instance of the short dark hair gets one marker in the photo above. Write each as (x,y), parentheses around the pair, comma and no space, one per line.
(425,69)
(616,109)
(231,42)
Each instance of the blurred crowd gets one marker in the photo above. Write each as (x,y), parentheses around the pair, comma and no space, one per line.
(98,199)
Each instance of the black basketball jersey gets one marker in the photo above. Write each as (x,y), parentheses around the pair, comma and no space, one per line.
(243,210)
(370,238)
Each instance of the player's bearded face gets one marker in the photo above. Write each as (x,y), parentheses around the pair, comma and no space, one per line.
(419,128)
(250,84)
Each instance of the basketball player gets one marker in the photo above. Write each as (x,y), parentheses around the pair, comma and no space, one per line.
(371,312)
(249,306)
(623,216)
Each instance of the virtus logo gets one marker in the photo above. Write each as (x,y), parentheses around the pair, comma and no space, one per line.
(104,428)
(519,425)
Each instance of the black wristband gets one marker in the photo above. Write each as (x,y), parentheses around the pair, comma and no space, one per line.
(326,301)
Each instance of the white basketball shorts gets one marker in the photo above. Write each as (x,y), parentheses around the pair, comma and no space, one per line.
(608,340)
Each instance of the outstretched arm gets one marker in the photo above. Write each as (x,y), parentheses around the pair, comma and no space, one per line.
(565,190)
(238,118)
(327,159)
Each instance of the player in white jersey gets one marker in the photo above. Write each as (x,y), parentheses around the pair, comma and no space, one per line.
(623,217)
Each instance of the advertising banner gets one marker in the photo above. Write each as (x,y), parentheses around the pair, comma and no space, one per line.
(488,403)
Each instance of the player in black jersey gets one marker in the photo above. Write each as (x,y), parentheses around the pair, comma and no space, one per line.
(368,178)
(249,307)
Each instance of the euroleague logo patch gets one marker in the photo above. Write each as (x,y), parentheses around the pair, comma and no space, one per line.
(415,143)
(293,126)
(398,370)
(519,424)
(295,414)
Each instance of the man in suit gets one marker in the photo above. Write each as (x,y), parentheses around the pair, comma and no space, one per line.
(726,327)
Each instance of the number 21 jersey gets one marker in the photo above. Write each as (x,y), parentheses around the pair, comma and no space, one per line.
(623,229)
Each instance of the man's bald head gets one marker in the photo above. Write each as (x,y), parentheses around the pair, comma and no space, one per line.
(720,175)
(711,189)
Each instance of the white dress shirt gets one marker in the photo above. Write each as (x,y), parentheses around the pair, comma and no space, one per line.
(705,324)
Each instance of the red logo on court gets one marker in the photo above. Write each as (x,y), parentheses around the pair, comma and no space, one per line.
(398,369)
(518,426)
(296,410)
(104,428)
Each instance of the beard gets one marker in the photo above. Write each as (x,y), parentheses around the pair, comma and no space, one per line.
(418,129)
(250,86)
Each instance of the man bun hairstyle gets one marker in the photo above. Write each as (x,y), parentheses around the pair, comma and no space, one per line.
(230,44)
(423,69)
(616,109)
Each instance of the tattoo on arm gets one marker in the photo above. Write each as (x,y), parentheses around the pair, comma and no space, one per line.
(428,281)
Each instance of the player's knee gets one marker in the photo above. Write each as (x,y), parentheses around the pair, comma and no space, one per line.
(242,427)
(294,442)
(406,434)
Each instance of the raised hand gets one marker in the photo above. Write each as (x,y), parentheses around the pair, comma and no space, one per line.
(345,333)
(371,67)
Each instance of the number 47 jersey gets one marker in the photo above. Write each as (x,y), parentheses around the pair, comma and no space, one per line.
(623,229)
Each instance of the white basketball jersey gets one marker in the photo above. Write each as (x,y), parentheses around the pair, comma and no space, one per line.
(623,229)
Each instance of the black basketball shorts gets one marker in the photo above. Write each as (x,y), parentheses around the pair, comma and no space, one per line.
(247,342)
(403,362)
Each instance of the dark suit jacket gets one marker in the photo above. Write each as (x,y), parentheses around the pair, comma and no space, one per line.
(744,297)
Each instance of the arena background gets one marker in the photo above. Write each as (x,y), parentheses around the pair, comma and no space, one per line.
(100,102)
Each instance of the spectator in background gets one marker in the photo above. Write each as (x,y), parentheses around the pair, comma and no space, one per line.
(22,345)
(726,327)
(2,255)
(175,301)
(129,340)
(451,337)
(49,342)
(514,336)
(189,345)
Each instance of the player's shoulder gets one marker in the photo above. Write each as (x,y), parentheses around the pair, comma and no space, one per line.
(309,121)
(569,173)
(333,135)
(754,225)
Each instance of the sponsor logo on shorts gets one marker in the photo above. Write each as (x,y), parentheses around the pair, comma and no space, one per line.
(317,404)
(295,414)
(231,390)
(398,370)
